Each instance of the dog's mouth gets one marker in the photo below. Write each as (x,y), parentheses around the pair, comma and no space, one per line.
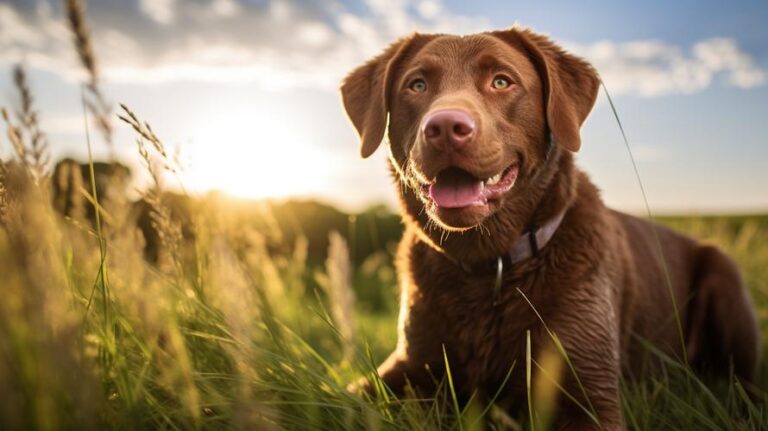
(456,188)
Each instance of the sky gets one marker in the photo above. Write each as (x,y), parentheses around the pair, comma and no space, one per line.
(248,89)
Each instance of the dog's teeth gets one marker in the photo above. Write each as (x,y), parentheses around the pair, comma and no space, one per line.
(493,180)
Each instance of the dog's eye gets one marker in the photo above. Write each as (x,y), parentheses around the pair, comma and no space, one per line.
(500,83)
(418,85)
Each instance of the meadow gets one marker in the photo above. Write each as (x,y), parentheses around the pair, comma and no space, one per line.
(178,312)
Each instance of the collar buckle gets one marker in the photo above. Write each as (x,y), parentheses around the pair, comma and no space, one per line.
(533,240)
(498,281)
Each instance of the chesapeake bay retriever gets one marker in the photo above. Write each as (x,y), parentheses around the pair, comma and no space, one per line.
(507,240)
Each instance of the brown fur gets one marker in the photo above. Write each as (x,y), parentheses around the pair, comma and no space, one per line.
(598,284)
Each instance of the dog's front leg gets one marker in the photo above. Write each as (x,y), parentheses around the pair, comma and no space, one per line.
(588,331)
(418,359)
(399,372)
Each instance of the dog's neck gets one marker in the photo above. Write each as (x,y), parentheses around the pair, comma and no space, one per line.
(538,199)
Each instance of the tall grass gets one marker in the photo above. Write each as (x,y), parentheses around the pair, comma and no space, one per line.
(227,335)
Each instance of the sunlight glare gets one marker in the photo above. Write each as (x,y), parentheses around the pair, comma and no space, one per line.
(255,155)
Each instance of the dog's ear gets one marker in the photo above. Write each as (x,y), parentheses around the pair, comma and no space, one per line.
(570,84)
(365,94)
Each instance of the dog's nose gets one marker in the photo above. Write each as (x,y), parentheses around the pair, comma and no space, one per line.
(448,129)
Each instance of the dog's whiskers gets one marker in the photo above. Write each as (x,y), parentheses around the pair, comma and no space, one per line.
(430,226)
(407,182)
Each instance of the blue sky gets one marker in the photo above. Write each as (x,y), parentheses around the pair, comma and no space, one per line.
(247,89)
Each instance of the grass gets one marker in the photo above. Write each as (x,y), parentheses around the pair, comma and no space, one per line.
(238,323)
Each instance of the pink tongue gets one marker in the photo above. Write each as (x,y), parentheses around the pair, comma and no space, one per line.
(456,192)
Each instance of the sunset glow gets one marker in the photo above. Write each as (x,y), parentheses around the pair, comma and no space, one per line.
(253,155)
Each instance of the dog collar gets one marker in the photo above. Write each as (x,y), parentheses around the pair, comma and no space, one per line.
(534,239)
(528,245)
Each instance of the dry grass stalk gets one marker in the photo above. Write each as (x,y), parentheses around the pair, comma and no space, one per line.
(37,151)
(339,290)
(82,36)
(145,131)
(14,135)
(168,230)
(96,102)
(112,200)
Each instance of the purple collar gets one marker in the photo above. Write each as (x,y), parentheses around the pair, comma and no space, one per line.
(528,245)
(534,239)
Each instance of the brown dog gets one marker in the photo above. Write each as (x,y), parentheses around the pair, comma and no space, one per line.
(506,237)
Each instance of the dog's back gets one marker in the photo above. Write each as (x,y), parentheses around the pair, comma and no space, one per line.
(716,320)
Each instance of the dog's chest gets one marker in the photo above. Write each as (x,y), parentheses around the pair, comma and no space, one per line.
(485,331)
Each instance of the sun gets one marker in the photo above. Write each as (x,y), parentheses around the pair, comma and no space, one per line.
(255,155)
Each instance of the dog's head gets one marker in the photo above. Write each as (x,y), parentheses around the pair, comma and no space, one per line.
(470,119)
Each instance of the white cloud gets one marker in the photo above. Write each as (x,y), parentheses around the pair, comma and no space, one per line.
(41,41)
(428,8)
(13,27)
(287,43)
(653,68)
(296,43)
(724,55)
(225,8)
(162,11)
(315,34)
